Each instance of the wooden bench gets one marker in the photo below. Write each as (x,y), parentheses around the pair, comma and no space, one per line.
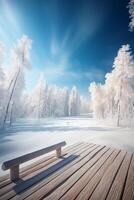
(14,164)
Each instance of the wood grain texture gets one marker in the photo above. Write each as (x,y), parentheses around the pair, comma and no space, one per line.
(103,187)
(92,184)
(119,181)
(129,187)
(70,188)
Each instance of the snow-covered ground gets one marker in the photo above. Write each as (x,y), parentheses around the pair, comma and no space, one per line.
(29,135)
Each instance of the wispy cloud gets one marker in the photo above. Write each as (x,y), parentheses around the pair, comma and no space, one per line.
(60,65)
(64,70)
(54,47)
(9,26)
(87,23)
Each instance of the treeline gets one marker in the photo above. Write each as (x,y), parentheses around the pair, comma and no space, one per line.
(52,101)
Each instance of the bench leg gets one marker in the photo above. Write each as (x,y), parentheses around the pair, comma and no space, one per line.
(14,173)
(58,152)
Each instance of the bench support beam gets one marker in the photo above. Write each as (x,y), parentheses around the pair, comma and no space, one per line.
(14,173)
(58,152)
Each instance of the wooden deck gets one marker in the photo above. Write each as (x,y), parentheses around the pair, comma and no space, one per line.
(85,171)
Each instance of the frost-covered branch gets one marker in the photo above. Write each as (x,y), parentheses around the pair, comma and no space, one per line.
(131,14)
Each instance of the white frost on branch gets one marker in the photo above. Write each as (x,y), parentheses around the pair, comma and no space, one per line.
(131,14)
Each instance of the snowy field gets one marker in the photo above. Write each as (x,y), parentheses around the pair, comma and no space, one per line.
(29,135)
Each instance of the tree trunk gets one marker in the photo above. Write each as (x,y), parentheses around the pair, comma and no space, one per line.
(10,98)
(118,118)
(39,106)
(11,81)
(11,114)
(119,106)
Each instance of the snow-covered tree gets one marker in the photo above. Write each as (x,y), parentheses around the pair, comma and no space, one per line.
(51,101)
(85,105)
(66,101)
(98,100)
(131,14)
(2,81)
(15,80)
(115,99)
(124,73)
(37,100)
(2,75)
(74,102)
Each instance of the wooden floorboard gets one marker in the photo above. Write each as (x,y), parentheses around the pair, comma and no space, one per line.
(86,171)
(119,181)
(129,187)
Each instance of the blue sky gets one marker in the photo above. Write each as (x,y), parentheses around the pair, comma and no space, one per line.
(74,41)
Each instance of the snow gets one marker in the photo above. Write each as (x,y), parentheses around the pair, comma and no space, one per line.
(28,135)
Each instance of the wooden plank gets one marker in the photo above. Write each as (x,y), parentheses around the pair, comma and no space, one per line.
(119,181)
(46,172)
(45,166)
(19,160)
(92,184)
(39,164)
(36,187)
(42,192)
(129,187)
(103,187)
(71,188)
